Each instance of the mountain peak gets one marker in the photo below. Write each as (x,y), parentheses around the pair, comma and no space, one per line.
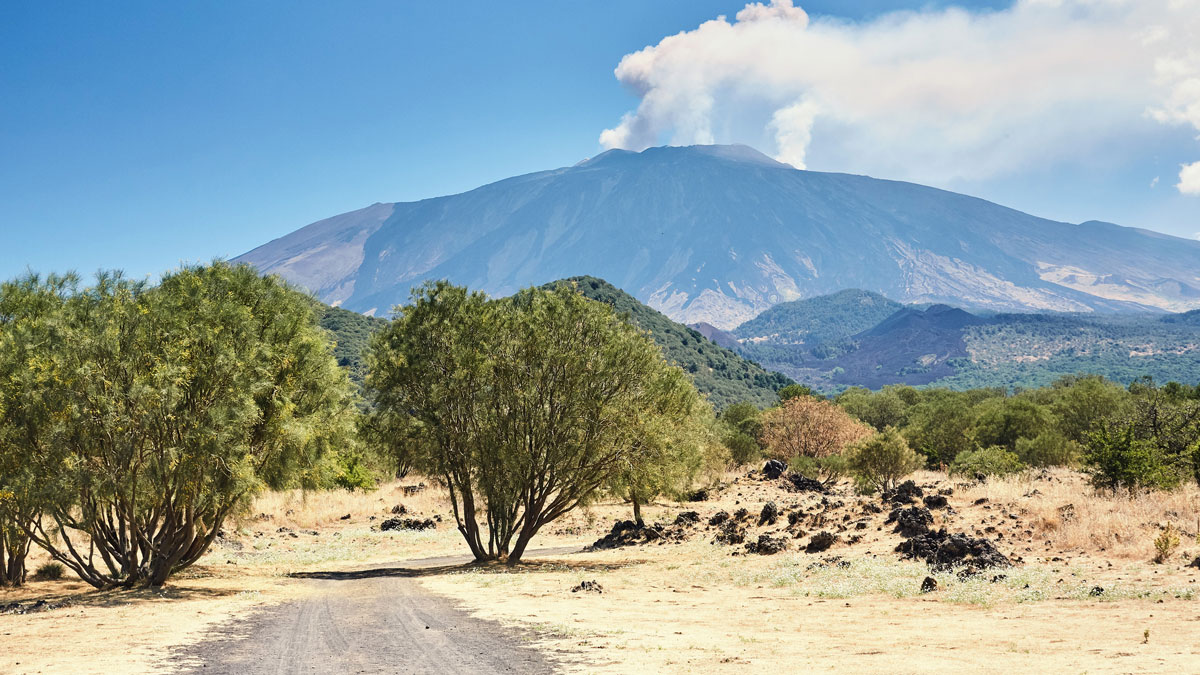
(737,154)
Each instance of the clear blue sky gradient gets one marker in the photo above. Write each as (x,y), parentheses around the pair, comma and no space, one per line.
(161,132)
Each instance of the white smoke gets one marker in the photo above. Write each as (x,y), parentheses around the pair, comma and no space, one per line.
(935,95)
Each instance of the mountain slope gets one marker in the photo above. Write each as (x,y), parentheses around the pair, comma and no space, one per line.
(718,234)
(721,374)
(819,319)
(947,346)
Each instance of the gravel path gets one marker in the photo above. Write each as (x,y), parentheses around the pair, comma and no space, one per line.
(376,620)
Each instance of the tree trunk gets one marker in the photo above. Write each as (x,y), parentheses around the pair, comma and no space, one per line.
(523,539)
(637,510)
(13,549)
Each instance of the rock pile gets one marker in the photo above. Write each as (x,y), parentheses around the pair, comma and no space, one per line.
(407,524)
(628,533)
(588,587)
(943,551)
(910,522)
(767,545)
(820,541)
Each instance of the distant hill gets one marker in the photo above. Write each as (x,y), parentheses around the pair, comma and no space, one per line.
(724,338)
(812,341)
(718,234)
(351,334)
(819,319)
(722,375)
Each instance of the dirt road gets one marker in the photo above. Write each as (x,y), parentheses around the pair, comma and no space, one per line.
(376,620)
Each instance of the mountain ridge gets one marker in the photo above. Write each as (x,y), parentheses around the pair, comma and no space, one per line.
(718,234)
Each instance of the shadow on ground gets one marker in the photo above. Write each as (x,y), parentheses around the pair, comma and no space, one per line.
(458,564)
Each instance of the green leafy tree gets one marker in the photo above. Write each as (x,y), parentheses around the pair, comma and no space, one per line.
(941,426)
(881,460)
(1082,404)
(181,402)
(528,407)
(30,312)
(989,462)
(1118,459)
(1049,448)
(886,408)
(1002,421)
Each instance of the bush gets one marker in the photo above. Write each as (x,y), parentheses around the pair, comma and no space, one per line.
(1119,460)
(988,462)
(825,469)
(353,473)
(743,448)
(809,427)
(881,460)
(1165,544)
(50,571)
(1050,448)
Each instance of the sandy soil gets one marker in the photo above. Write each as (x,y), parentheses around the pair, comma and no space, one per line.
(693,606)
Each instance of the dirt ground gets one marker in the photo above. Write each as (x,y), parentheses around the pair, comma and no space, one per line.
(698,606)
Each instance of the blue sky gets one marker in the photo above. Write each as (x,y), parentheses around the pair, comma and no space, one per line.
(166,132)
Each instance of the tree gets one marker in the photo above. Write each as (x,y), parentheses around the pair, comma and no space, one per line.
(793,390)
(742,428)
(1083,403)
(181,402)
(941,426)
(984,463)
(671,449)
(881,409)
(528,406)
(807,427)
(30,310)
(1002,421)
(879,461)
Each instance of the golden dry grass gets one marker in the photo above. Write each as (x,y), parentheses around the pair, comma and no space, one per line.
(1073,517)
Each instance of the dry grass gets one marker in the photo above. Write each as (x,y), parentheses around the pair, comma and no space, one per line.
(1067,512)
(316,509)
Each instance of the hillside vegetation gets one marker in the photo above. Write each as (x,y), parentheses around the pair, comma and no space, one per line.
(351,334)
(840,340)
(721,374)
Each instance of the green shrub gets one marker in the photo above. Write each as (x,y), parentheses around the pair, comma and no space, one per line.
(881,460)
(828,470)
(1049,448)
(1120,460)
(50,571)
(743,448)
(988,462)
(353,473)
(1165,544)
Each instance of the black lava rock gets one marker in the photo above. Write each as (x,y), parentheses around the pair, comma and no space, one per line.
(767,545)
(805,484)
(911,522)
(936,502)
(929,585)
(942,551)
(407,524)
(588,587)
(904,493)
(770,514)
(718,518)
(774,469)
(820,541)
(687,518)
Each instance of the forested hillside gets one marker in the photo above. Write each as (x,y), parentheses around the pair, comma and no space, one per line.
(351,334)
(816,342)
(718,372)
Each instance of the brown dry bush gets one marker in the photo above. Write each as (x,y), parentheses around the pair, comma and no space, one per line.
(806,427)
